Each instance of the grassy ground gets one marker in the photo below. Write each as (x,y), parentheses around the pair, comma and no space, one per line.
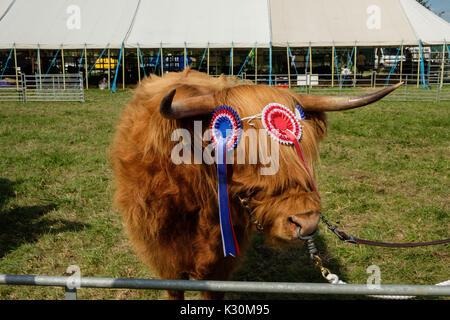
(383,175)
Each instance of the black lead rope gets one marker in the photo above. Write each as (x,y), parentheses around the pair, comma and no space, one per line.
(351,239)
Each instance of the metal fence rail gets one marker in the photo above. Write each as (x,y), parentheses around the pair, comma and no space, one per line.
(54,87)
(437,89)
(50,87)
(71,284)
(10,89)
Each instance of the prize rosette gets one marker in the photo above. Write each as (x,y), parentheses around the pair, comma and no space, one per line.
(226,124)
(301,114)
(280,123)
(226,129)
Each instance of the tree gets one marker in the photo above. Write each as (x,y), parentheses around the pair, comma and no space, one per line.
(425,3)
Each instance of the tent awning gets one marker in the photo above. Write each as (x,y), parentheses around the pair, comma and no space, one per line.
(76,24)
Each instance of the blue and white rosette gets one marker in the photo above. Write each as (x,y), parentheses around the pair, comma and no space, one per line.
(226,129)
(300,114)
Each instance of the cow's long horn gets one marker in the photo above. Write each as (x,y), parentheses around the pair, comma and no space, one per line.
(184,108)
(322,103)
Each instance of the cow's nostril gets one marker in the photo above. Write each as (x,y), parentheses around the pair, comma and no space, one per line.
(307,224)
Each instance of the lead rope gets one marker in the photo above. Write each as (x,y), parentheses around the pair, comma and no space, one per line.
(334,278)
(313,252)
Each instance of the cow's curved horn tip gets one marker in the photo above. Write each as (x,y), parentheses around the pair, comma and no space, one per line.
(399,84)
(166,104)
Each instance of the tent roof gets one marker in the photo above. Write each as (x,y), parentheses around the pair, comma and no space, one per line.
(51,23)
(196,23)
(342,22)
(223,24)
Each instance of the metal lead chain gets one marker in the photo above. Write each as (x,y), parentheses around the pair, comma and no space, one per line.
(313,254)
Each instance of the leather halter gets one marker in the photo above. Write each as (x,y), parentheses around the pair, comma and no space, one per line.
(245,204)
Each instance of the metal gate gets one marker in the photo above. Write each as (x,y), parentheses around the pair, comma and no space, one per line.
(50,87)
(72,283)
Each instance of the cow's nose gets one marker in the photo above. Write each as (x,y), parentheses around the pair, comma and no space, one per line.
(308,222)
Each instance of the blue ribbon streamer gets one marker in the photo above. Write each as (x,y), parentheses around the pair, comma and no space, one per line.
(230,246)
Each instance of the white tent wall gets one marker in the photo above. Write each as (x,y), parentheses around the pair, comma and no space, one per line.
(71,23)
(222,24)
(340,22)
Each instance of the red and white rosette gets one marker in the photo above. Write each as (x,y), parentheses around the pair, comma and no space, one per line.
(280,123)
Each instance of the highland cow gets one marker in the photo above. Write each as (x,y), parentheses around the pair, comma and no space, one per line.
(171,210)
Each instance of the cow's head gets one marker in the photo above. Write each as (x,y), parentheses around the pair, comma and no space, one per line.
(285,200)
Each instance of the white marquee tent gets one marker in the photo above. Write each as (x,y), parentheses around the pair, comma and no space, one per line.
(51,24)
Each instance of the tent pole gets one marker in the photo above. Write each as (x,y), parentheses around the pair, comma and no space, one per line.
(39,66)
(207,61)
(418,67)
(401,63)
(15,65)
(256,65)
(310,66)
(288,65)
(162,61)
(63,68)
(185,55)
(123,69)
(138,64)
(109,69)
(232,58)
(354,66)
(332,66)
(86,67)
(442,65)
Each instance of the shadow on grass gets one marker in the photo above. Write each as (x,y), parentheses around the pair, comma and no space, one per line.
(264,263)
(26,224)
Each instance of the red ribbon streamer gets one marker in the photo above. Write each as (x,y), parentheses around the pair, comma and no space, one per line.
(300,153)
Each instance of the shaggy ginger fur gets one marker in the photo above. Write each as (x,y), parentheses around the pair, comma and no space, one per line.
(171,211)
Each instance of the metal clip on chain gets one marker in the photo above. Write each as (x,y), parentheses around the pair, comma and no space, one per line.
(313,254)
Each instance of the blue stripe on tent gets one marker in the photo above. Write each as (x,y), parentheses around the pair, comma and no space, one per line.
(203,57)
(7,61)
(349,62)
(142,60)
(245,62)
(270,64)
(53,60)
(81,61)
(307,58)
(393,66)
(114,84)
(95,63)
(157,60)
(422,67)
(336,62)
(290,54)
(231,58)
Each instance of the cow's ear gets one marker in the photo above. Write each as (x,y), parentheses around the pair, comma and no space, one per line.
(188,105)
(318,121)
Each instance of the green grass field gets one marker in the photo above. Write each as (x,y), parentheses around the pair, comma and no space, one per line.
(383,175)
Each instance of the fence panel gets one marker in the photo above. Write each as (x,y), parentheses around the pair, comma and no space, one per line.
(10,89)
(437,85)
(54,87)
